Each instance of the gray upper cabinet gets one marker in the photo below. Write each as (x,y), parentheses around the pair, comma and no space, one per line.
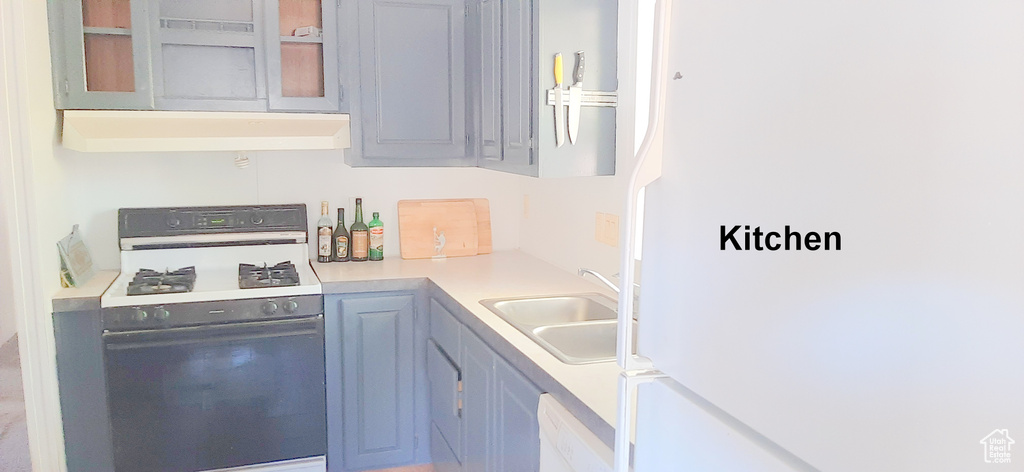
(209,55)
(412,70)
(485,76)
(222,55)
(302,54)
(101,54)
(517,150)
(568,26)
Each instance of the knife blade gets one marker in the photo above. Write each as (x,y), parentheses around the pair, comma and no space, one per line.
(575,98)
(559,103)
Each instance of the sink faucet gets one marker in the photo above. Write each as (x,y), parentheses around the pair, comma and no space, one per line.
(636,287)
(583,272)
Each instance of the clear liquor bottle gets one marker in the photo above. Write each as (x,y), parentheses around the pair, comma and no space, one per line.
(323,234)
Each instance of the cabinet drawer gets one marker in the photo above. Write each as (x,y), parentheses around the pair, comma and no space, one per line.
(445,382)
(444,328)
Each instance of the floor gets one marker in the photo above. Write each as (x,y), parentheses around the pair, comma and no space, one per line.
(13,431)
(411,468)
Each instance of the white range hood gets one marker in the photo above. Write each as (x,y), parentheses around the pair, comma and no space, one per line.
(147,131)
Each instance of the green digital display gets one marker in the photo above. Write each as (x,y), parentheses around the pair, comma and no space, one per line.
(218,221)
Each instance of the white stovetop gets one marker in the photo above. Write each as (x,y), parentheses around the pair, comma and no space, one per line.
(216,273)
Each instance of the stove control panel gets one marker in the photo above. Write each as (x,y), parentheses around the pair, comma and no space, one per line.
(214,312)
(176,221)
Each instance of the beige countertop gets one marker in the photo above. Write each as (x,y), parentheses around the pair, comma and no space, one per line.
(503,274)
(86,297)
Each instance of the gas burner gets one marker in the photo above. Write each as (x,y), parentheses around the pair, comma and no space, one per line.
(150,282)
(283,274)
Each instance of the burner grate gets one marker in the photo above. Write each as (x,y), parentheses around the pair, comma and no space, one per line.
(282,274)
(150,282)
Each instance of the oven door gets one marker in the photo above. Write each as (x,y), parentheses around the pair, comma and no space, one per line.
(215,396)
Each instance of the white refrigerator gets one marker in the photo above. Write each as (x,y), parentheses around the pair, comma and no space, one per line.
(894,131)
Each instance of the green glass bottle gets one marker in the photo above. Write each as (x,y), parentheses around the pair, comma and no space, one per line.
(360,235)
(376,238)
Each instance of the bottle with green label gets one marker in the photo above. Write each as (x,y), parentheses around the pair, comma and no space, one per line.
(339,249)
(376,238)
(360,235)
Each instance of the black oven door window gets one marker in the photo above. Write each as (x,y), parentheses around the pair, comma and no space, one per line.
(209,397)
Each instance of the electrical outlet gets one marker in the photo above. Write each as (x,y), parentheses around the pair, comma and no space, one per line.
(526,206)
(606,229)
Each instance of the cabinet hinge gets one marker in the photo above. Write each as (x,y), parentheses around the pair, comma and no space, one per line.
(416,441)
(66,87)
(460,387)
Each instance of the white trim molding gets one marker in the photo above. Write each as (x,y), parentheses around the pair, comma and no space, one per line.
(24,50)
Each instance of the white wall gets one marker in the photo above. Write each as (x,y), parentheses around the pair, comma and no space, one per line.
(102,183)
(8,325)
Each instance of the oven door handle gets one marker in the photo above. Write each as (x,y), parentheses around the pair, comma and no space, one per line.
(119,340)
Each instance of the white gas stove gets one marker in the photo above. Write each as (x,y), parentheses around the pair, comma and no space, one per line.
(213,338)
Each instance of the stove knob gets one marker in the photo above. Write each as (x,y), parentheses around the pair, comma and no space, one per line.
(173,221)
(256,219)
(290,306)
(161,314)
(269,307)
(140,315)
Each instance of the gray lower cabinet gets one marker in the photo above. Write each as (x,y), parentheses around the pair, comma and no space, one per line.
(412,70)
(371,358)
(497,405)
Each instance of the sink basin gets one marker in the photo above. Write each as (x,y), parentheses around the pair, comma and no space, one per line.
(577,329)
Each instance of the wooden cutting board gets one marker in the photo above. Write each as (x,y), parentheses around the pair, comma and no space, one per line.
(421,221)
(483,222)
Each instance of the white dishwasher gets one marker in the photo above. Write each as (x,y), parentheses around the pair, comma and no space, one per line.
(565,444)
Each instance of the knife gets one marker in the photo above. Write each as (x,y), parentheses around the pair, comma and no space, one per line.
(559,103)
(575,97)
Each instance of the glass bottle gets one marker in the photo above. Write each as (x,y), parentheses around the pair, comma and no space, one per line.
(339,248)
(376,238)
(360,235)
(323,234)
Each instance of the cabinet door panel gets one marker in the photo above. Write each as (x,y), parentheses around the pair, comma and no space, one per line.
(209,55)
(444,329)
(377,363)
(478,408)
(108,63)
(444,395)
(302,71)
(489,27)
(517,82)
(412,70)
(518,442)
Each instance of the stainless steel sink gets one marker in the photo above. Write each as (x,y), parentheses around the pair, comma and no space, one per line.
(577,329)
